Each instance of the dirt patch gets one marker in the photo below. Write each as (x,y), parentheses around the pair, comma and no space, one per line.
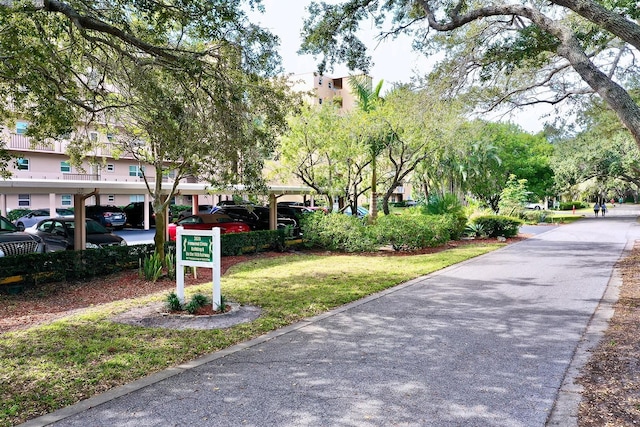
(611,378)
(156,316)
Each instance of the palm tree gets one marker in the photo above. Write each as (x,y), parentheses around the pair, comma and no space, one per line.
(367,99)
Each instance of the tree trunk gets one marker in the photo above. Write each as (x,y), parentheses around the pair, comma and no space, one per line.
(373,207)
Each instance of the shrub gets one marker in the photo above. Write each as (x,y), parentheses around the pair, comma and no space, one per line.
(337,232)
(449,205)
(534,216)
(498,225)
(151,267)
(17,213)
(173,303)
(567,206)
(197,301)
(411,231)
(475,230)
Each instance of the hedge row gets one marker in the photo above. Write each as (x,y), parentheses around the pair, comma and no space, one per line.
(412,229)
(81,265)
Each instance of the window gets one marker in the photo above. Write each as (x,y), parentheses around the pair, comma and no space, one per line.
(111,198)
(136,198)
(320,101)
(21,127)
(111,167)
(329,85)
(110,137)
(319,81)
(22,164)
(65,167)
(24,200)
(136,170)
(93,136)
(66,200)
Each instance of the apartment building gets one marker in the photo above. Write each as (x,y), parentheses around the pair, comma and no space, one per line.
(48,161)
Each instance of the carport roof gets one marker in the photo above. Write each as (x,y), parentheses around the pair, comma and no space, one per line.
(46,186)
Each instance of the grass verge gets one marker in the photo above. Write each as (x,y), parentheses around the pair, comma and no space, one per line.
(58,364)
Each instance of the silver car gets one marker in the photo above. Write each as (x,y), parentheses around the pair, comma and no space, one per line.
(37,215)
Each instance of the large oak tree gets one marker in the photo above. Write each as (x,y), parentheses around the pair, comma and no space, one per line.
(520,53)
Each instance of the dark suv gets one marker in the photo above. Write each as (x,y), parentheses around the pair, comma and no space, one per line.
(135,214)
(14,242)
(108,215)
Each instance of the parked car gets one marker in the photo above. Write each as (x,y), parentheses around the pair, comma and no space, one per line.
(207,222)
(135,214)
(297,213)
(39,214)
(235,203)
(202,209)
(362,212)
(257,217)
(535,205)
(58,234)
(16,242)
(108,216)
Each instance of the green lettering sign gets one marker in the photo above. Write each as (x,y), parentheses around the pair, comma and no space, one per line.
(197,248)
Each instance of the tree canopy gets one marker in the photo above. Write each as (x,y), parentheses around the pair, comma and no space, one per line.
(504,52)
(60,58)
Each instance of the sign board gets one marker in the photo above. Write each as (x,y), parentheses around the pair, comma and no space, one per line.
(198,248)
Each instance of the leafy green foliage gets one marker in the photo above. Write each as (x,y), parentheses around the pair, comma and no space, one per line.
(534,216)
(16,213)
(197,301)
(475,230)
(337,232)
(513,196)
(151,268)
(568,206)
(412,230)
(173,302)
(498,225)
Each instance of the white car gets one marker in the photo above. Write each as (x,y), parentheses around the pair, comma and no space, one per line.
(535,206)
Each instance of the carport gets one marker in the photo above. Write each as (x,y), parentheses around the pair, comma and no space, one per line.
(82,190)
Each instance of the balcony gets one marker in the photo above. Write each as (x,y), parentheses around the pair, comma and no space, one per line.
(22,142)
(81,176)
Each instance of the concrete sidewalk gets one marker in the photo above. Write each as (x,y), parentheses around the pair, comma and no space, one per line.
(488,342)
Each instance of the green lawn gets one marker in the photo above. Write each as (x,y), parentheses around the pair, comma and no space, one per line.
(55,365)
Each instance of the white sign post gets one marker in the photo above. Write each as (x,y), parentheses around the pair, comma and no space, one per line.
(198,248)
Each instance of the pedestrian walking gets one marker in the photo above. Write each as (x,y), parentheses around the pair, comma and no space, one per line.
(603,208)
(596,209)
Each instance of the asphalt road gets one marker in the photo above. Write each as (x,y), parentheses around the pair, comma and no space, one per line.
(488,342)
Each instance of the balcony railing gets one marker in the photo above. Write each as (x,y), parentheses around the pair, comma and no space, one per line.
(22,142)
(81,176)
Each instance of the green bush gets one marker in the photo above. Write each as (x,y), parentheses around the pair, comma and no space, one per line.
(567,206)
(498,225)
(337,232)
(533,216)
(413,231)
(173,302)
(450,205)
(17,213)
(82,265)
(151,267)
(197,301)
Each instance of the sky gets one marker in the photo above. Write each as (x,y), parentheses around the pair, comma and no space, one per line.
(393,60)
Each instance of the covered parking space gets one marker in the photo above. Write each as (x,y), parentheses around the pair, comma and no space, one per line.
(82,190)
